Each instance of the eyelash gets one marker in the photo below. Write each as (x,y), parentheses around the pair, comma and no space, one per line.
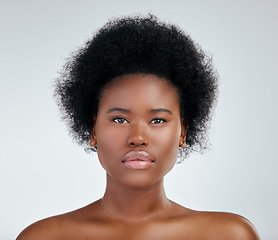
(117,118)
(160,119)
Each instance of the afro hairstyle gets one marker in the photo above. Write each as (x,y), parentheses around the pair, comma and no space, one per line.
(132,45)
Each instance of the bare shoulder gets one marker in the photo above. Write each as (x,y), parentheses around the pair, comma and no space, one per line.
(228,226)
(64,226)
(212,225)
(42,230)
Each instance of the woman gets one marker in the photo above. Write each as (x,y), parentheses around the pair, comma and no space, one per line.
(141,93)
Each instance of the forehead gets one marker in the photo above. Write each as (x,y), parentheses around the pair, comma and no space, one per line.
(138,91)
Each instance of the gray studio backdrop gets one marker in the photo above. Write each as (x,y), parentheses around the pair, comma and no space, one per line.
(43,173)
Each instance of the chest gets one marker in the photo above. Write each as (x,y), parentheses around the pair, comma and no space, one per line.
(151,231)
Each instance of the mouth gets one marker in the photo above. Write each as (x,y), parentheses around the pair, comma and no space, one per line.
(138,160)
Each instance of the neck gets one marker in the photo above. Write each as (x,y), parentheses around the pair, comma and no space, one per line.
(128,204)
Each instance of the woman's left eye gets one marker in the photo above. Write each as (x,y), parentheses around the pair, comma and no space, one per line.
(158,120)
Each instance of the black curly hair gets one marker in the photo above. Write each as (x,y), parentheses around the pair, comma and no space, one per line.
(133,45)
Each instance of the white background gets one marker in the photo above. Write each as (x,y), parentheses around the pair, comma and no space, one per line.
(42,173)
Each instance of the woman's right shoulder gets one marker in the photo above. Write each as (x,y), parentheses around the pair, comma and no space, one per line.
(49,228)
(52,228)
(64,226)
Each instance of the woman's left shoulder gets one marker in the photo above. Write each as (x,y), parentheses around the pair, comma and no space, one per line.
(229,226)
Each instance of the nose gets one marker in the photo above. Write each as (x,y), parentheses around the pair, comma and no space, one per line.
(138,135)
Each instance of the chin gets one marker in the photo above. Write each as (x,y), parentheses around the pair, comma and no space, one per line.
(138,179)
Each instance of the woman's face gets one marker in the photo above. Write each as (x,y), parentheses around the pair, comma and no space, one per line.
(138,129)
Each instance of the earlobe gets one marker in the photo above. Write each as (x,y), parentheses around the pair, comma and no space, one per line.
(182,144)
(92,143)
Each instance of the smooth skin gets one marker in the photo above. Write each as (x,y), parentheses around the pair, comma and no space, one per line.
(139,112)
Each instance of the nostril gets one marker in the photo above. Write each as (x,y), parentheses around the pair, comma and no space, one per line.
(133,144)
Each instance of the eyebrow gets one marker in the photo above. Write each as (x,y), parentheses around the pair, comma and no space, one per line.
(118,110)
(128,111)
(161,110)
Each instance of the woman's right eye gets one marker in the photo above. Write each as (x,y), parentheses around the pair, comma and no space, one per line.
(119,120)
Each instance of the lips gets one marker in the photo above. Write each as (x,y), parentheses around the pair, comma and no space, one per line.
(138,160)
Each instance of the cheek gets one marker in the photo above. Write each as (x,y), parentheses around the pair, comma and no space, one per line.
(109,143)
(167,144)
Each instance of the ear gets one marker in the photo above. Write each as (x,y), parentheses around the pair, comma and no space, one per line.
(184,127)
(93,141)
